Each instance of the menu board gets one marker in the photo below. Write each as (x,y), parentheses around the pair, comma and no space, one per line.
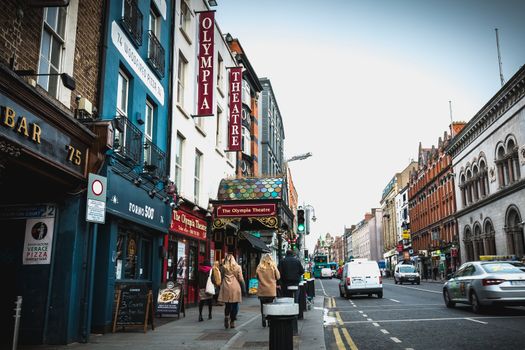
(170,299)
(133,306)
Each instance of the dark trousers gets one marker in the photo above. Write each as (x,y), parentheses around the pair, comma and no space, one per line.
(201,305)
(265,300)
(231,310)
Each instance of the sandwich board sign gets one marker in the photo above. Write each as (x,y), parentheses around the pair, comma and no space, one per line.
(96,199)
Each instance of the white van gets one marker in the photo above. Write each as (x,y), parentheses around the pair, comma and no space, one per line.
(361,276)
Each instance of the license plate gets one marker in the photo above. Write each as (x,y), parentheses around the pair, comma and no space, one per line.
(518,283)
(357,281)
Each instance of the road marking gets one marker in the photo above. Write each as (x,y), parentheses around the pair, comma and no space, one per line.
(385,331)
(338,318)
(424,290)
(381,306)
(473,320)
(349,339)
(376,324)
(354,305)
(409,309)
(369,319)
(365,315)
(436,319)
(322,286)
(395,339)
(339,340)
(394,300)
(409,349)
(360,312)
(333,302)
(329,302)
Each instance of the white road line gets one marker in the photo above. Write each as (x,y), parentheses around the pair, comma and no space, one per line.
(381,306)
(410,309)
(360,312)
(473,320)
(369,319)
(365,315)
(376,324)
(394,300)
(424,290)
(409,349)
(354,305)
(395,339)
(437,319)
(324,292)
(385,331)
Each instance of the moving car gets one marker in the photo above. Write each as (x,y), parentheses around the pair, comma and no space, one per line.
(485,283)
(326,272)
(406,273)
(361,276)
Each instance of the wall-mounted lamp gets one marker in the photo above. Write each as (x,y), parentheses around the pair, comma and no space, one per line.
(195,208)
(152,193)
(67,80)
(212,3)
(137,181)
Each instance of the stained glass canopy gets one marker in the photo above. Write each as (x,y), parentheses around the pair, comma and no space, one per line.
(251,189)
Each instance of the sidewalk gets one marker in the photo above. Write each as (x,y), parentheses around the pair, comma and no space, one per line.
(188,333)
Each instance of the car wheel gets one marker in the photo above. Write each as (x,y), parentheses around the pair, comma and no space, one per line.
(448,301)
(418,282)
(380,295)
(395,281)
(348,295)
(474,302)
(412,283)
(369,295)
(340,293)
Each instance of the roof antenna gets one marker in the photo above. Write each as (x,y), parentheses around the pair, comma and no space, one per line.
(499,59)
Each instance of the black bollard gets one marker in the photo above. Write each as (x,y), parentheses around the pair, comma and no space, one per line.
(302,299)
(281,332)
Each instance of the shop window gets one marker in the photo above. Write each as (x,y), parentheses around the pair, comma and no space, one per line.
(145,260)
(130,267)
(133,256)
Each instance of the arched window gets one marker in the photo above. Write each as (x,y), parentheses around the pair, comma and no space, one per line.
(469,187)
(514,230)
(475,183)
(503,172)
(469,247)
(490,238)
(484,178)
(513,160)
(478,242)
(462,184)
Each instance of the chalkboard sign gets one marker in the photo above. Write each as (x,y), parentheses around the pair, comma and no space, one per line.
(133,307)
(170,300)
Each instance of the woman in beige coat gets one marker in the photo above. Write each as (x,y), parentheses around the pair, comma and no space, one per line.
(231,290)
(268,275)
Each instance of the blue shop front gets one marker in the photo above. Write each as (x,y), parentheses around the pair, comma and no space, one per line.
(130,243)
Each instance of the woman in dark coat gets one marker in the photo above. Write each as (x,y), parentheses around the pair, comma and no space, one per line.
(202,276)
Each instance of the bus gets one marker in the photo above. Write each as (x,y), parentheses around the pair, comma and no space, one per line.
(320,261)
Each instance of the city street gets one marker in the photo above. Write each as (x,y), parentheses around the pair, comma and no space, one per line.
(415,317)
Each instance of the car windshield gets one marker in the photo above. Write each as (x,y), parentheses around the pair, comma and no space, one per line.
(407,269)
(500,268)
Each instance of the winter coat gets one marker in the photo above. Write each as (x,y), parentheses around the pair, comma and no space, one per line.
(202,276)
(291,271)
(231,286)
(267,281)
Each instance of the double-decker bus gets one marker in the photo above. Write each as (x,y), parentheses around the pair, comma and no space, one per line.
(320,261)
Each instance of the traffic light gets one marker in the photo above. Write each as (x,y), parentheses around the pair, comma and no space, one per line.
(301,225)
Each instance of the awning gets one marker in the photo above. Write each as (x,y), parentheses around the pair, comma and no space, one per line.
(251,189)
(257,243)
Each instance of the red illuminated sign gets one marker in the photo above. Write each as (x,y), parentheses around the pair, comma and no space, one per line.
(245,210)
(205,75)
(187,224)
(234,125)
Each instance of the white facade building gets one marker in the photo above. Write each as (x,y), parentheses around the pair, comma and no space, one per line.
(361,240)
(488,158)
(403,220)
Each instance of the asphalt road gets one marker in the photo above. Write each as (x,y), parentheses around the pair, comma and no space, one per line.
(414,317)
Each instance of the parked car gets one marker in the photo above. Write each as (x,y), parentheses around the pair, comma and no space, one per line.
(406,273)
(361,276)
(485,283)
(326,272)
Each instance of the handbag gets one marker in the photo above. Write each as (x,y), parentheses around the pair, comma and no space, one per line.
(210,288)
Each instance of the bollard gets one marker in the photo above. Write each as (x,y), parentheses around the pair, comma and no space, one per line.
(293,290)
(311,288)
(279,315)
(18,309)
(302,299)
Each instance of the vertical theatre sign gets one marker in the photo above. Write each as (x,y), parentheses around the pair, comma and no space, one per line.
(205,76)
(234,126)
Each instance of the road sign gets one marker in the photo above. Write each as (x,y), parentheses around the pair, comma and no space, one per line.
(96,199)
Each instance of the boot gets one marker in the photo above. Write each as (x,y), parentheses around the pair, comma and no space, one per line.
(200,318)
(209,316)
(226,322)
(232,323)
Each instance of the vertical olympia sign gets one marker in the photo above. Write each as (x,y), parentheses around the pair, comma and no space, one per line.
(205,75)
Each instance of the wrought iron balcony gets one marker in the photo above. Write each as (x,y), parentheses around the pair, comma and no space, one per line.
(132,20)
(128,140)
(156,54)
(154,160)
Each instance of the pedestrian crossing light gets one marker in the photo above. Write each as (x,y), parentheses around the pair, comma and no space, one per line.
(301,226)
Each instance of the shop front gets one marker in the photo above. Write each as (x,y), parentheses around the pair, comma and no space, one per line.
(187,248)
(43,170)
(129,245)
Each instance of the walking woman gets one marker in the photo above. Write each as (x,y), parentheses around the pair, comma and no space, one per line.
(268,275)
(205,298)
(230,293)
(216,279)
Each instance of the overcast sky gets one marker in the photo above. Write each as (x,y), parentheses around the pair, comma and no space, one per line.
(360,83)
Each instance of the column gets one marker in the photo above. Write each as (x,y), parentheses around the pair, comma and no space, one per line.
(510,167)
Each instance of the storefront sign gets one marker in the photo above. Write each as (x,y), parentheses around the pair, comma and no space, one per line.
(245,210)
(169,299)
(11,212)
(135,61)
(187,224)
(38,241)
(26,129)
(234,125)
(205,76)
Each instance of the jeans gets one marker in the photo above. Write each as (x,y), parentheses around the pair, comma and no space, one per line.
(231,310)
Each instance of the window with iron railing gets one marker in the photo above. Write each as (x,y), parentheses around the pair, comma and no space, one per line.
(128,140)
(155,162)
(156,54)
(132,20)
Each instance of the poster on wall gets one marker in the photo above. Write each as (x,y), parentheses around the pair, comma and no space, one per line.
(182,262)
(38,241)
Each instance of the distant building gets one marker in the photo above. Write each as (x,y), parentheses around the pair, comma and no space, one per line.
(338,249)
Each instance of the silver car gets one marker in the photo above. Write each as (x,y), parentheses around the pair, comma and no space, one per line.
(485,283)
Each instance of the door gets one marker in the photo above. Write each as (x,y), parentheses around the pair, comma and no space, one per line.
(192,275)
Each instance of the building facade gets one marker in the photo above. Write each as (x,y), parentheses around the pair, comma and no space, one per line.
(488,158)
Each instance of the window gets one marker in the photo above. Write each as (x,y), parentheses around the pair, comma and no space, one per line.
(132,20)
(185,17)
(220,69)
(148,131)
(181,79)
(197,178)
(51,48)
(122,110)
(154,23)
(179,145)
(155,49)
(218,131)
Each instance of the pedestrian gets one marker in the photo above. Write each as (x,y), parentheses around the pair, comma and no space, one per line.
(231,290)
(291,271)
(268,275)
(204,298)
(216,279)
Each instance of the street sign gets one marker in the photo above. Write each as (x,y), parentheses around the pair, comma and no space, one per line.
(96,199)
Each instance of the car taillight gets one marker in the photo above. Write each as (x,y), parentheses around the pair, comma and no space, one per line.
(491,281)
(348,281)
(380,279)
